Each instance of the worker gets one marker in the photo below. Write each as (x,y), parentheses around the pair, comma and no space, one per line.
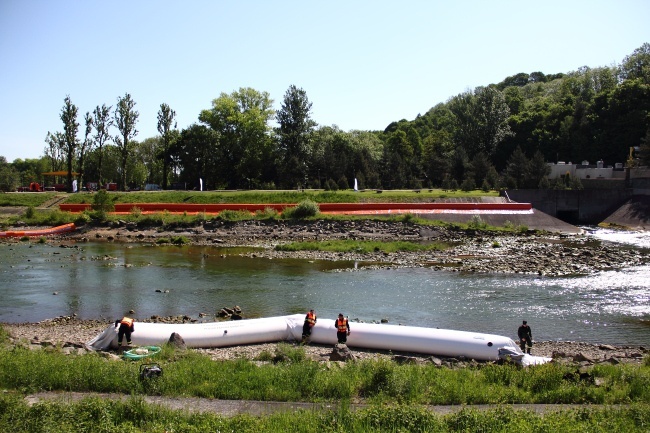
(126,328)
(342,329)
(310,321)
(525,335)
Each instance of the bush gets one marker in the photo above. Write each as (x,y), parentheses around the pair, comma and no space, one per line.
(102,204)
(29,213)
(304,209)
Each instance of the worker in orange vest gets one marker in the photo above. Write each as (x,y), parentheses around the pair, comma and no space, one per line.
(126,328)
(342,329)
(310,321)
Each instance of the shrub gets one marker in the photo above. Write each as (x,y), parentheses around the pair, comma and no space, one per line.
(102,204)
(304,209)
(477,223)
(29,213)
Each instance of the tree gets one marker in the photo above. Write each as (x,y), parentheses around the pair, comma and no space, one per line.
(102,123)
(480,120)
(9,176)
(517,168)
(241,122)
(86,146)
(197,152)
(53,151)
(70,128)
(125,119)
(294,134)
(637,65)
(165,120)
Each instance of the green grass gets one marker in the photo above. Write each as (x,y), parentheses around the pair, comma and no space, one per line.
(396,394)
(291,376)
(352,246)
(135,415)
(26,198)
(289,197)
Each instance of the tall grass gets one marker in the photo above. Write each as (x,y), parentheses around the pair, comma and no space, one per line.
(290,376)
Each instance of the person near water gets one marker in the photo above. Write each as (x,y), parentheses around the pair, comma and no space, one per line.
(126,328)
(342,329)
(525,335)
(310,321)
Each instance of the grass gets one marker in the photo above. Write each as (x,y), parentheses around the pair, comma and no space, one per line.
(352,246)
(290,376)
(134,415)
(396,393)
(289,197)
(26,198)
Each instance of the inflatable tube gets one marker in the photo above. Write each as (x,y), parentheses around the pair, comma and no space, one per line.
(441,342)
(39,232)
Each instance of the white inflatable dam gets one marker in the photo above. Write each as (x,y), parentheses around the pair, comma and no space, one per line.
(440,342)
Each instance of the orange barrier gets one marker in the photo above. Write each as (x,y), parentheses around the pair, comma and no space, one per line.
(39,232)
(324,207)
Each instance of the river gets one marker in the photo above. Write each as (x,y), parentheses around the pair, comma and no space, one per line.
(105,280)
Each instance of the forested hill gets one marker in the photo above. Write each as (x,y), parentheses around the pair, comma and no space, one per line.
(589,114)
(496,136)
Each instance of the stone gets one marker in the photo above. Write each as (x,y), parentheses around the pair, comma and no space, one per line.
(177,341)
(341,352)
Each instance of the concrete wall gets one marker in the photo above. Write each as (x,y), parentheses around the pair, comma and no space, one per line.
(588,206)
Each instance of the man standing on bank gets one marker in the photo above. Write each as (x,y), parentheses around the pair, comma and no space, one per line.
(525,335)
(342,329)
(126,328)
(310,321)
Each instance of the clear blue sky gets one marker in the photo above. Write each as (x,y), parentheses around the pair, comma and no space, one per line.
(362,63)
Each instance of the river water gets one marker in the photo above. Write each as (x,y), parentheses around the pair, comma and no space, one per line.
(104,280)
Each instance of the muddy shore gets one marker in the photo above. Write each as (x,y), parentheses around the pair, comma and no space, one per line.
(530,252)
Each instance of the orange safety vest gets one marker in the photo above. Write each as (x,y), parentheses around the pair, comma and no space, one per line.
(342,325)
(126,321)
(311,318)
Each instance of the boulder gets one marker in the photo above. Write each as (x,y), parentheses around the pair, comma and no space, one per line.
(341,352)
(177,341)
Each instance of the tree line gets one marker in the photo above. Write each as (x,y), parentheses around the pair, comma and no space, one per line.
(494,136)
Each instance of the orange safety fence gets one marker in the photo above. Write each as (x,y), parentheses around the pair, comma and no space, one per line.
(340,208)
(39,232)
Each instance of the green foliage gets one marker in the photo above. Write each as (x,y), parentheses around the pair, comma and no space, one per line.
(180,240)
(305,209)
(102,204)
(29,213)
(477,223)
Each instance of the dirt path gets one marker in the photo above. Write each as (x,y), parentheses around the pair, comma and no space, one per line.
(230,408)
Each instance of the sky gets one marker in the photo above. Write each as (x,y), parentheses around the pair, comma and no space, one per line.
(363,64)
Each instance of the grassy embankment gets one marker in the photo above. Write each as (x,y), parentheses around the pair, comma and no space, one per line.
(396,393)
(164,220)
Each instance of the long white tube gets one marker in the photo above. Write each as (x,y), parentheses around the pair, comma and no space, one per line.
(442,342)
